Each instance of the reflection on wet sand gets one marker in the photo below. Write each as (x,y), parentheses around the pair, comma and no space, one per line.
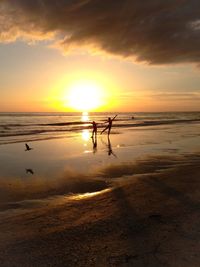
(94,142)
(85,135)
(59,167)
(40,187)
(87,195)
(78,183)
(110,151)
(152,220)
(30,171)
(109,147)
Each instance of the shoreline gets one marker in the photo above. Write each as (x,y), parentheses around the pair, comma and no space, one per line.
(149,219)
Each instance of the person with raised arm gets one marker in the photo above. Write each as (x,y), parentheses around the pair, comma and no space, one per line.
(109,126)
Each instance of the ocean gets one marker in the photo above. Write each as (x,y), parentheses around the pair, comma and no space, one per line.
(65,160)
(24,127)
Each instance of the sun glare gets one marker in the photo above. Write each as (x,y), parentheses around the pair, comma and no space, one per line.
(85,135)
(85,116)
(85,96)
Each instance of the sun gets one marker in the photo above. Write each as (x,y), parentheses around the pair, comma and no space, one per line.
(85,96)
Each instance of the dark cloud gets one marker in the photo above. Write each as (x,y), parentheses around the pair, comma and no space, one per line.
(155,31)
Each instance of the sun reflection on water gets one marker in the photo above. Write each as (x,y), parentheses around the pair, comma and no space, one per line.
(85,116)
(85,135)
(85,132)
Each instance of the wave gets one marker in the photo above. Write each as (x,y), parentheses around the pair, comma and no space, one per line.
(14,130)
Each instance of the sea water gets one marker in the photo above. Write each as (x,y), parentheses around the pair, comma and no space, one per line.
(64,160)
(24,127)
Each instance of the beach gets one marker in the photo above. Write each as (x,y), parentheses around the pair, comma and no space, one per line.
(99,133)
(133,200)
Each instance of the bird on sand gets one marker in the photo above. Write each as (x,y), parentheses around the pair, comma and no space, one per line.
(28,148)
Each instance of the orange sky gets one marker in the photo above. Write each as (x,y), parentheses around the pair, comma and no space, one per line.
(64,57)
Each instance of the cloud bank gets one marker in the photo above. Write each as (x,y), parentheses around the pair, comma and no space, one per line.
(192,96)
(156,31)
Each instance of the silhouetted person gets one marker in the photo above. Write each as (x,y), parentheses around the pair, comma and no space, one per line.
(94,131)
(30,171)
(28,148)
(109,126)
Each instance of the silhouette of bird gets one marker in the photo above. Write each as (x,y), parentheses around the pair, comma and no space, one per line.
(29,171)
(28,147)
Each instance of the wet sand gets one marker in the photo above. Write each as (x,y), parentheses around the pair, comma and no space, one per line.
(148,215)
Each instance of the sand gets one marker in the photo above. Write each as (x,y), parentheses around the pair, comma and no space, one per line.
(148,218)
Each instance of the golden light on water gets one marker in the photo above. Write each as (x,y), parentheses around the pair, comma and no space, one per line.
(85,132)
(85,135)
(85,116)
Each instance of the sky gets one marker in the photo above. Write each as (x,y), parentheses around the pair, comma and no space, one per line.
(114,55)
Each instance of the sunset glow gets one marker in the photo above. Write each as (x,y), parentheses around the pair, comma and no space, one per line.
(84,96)
(97,68)
(99,98)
